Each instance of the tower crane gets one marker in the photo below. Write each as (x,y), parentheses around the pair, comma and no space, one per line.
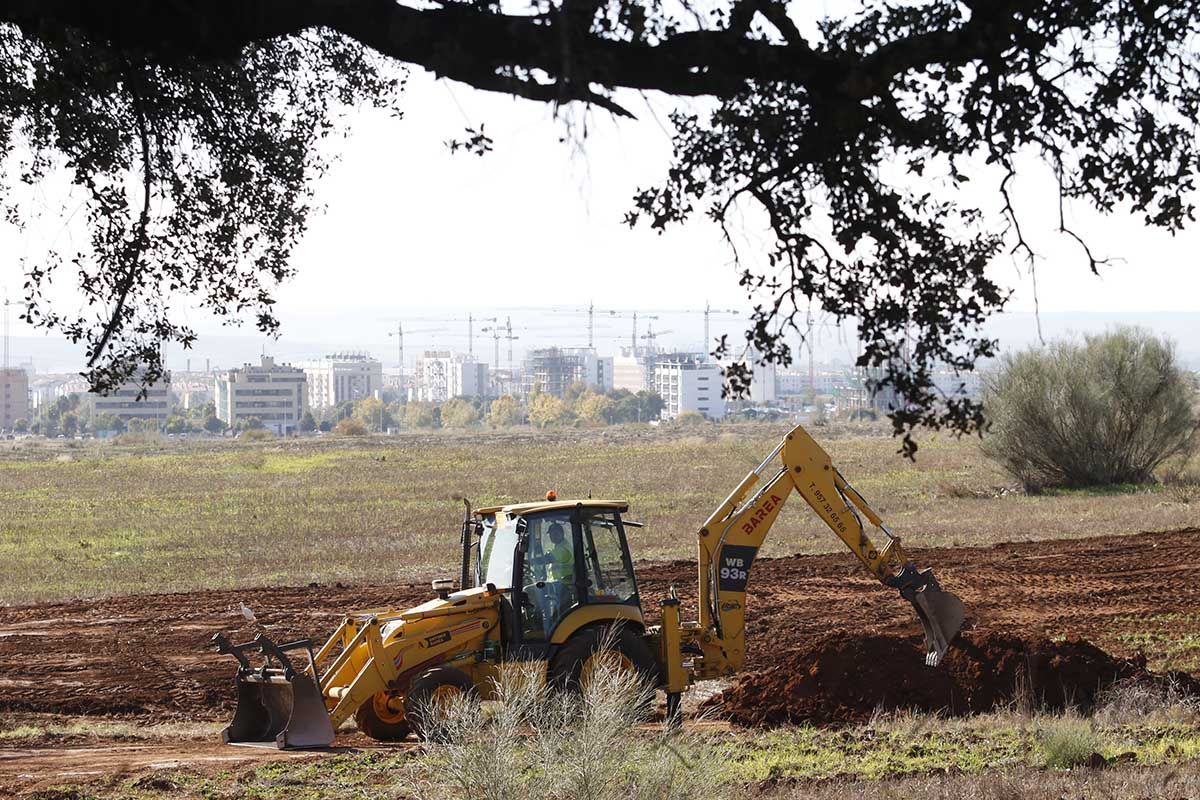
(652,335)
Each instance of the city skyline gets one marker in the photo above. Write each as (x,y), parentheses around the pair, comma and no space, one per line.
(1015,331)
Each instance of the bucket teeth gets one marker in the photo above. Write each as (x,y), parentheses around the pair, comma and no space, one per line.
(941,612)
(941,616)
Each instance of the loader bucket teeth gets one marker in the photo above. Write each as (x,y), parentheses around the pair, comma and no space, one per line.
(289,714)
(941,616)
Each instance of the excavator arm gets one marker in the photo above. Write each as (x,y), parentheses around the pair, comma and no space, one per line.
(732,535)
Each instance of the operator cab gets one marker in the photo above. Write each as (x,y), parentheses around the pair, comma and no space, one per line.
(551,560)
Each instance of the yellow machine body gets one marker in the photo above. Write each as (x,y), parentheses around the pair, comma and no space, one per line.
(381,650)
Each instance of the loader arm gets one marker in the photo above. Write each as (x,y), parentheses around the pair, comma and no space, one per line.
(731,537)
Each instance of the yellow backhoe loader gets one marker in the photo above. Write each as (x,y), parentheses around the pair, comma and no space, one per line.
(553,581)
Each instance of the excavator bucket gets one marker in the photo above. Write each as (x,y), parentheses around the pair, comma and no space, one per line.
(277,705)
(941,612)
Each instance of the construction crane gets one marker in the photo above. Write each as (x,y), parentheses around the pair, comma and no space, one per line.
(471,320)
(499,332)
(399,334)
(633,317)
(651,335)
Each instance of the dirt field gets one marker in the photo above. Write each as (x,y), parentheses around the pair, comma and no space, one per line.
(147,657)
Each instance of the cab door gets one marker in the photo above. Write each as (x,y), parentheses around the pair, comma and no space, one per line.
(550,585)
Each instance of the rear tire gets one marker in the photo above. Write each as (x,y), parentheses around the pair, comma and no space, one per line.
(376,720)
(571,664)
(430,688)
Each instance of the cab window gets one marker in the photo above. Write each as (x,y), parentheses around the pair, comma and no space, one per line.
(606,559)
(496,549)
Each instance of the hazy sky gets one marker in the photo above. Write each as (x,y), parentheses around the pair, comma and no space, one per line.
(411,230)
(538,222)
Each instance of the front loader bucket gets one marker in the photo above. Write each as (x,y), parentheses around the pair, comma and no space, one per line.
(941,612)
(276,704)
(288,714)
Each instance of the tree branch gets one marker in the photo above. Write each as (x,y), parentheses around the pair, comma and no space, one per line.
(125,284)
(473,46)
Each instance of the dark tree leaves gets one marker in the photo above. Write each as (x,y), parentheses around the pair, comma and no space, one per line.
(859,181)
(196,177)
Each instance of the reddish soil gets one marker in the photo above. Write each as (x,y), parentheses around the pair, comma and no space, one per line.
(148,657)
(841,679)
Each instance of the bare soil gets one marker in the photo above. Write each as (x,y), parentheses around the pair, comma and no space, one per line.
(148,657)
(842,679)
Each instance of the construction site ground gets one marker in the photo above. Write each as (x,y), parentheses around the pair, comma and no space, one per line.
(136,662)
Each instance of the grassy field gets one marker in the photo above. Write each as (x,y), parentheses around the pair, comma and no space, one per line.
(81,519)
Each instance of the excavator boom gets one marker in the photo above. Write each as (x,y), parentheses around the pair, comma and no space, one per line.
(733,534)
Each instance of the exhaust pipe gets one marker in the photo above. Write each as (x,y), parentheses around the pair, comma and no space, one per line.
(941,612)
(276,704)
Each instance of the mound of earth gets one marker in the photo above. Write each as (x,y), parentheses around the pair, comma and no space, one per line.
(841,679)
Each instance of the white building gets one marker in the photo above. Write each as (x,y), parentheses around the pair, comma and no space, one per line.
(763,380)
(340,377)
(442,375)
(632,371)
(273,393)
(14,397)
(763,387)
(790,383)
(593,369)
(688,383)
(123,403)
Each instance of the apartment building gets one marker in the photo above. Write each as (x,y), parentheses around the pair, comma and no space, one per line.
(339,377)
(634,370)
(124,403)
(442,375)
(275,394)
(688,383)
(14,397)
(551,370)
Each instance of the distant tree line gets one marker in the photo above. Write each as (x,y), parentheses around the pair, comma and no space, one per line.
(581,405)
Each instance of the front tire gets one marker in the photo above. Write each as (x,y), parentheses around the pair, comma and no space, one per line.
(584,652)
(430,692)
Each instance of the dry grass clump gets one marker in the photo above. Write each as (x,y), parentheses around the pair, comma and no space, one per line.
(538,742)
(1139,702)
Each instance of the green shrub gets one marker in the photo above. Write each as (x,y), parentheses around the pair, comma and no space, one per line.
(1067,741)
(1107,411)
(459,413)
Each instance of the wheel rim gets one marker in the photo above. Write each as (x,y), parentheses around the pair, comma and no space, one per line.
(443,696)
(388,708)
(603,660)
